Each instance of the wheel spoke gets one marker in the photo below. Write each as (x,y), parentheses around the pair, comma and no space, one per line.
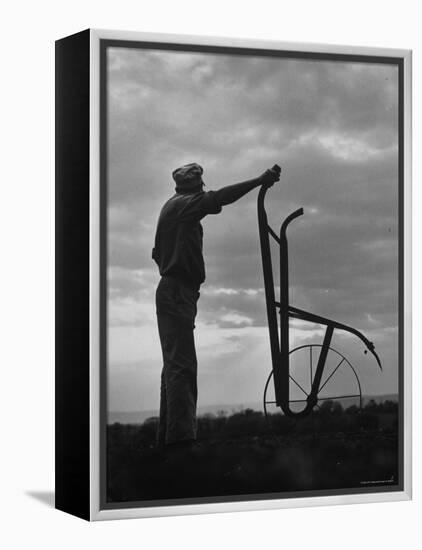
(331,375)
(310,361)
(337,397)
(297,384)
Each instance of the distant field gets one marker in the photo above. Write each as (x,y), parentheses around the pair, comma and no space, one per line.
(334,448)
(138,417)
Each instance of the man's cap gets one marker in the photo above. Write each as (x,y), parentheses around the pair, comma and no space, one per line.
(187,176)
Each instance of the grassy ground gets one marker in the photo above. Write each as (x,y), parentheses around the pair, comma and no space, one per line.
(239,454)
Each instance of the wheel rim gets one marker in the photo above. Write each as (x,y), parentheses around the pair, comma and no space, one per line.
(341,364)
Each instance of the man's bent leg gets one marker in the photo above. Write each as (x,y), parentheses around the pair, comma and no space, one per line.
(179,378)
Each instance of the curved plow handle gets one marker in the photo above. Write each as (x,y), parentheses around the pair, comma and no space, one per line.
(289,219)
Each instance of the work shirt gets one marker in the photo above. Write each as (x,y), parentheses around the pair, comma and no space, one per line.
(178,240)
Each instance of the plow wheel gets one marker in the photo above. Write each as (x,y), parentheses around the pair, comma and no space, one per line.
(339,381)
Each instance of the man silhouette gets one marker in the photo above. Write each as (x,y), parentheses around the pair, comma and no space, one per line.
(178,254)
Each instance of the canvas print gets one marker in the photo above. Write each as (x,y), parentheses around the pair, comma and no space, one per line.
(251,266)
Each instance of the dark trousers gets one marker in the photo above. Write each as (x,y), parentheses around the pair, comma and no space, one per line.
(176,311)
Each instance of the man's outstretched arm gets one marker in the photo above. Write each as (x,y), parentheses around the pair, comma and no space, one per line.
(232,193)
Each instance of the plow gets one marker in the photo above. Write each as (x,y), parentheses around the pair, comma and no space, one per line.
(302,378)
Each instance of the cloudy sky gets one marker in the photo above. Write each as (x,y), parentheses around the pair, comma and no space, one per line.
(332,126)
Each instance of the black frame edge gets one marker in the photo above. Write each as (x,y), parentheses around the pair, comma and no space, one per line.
(72,334)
